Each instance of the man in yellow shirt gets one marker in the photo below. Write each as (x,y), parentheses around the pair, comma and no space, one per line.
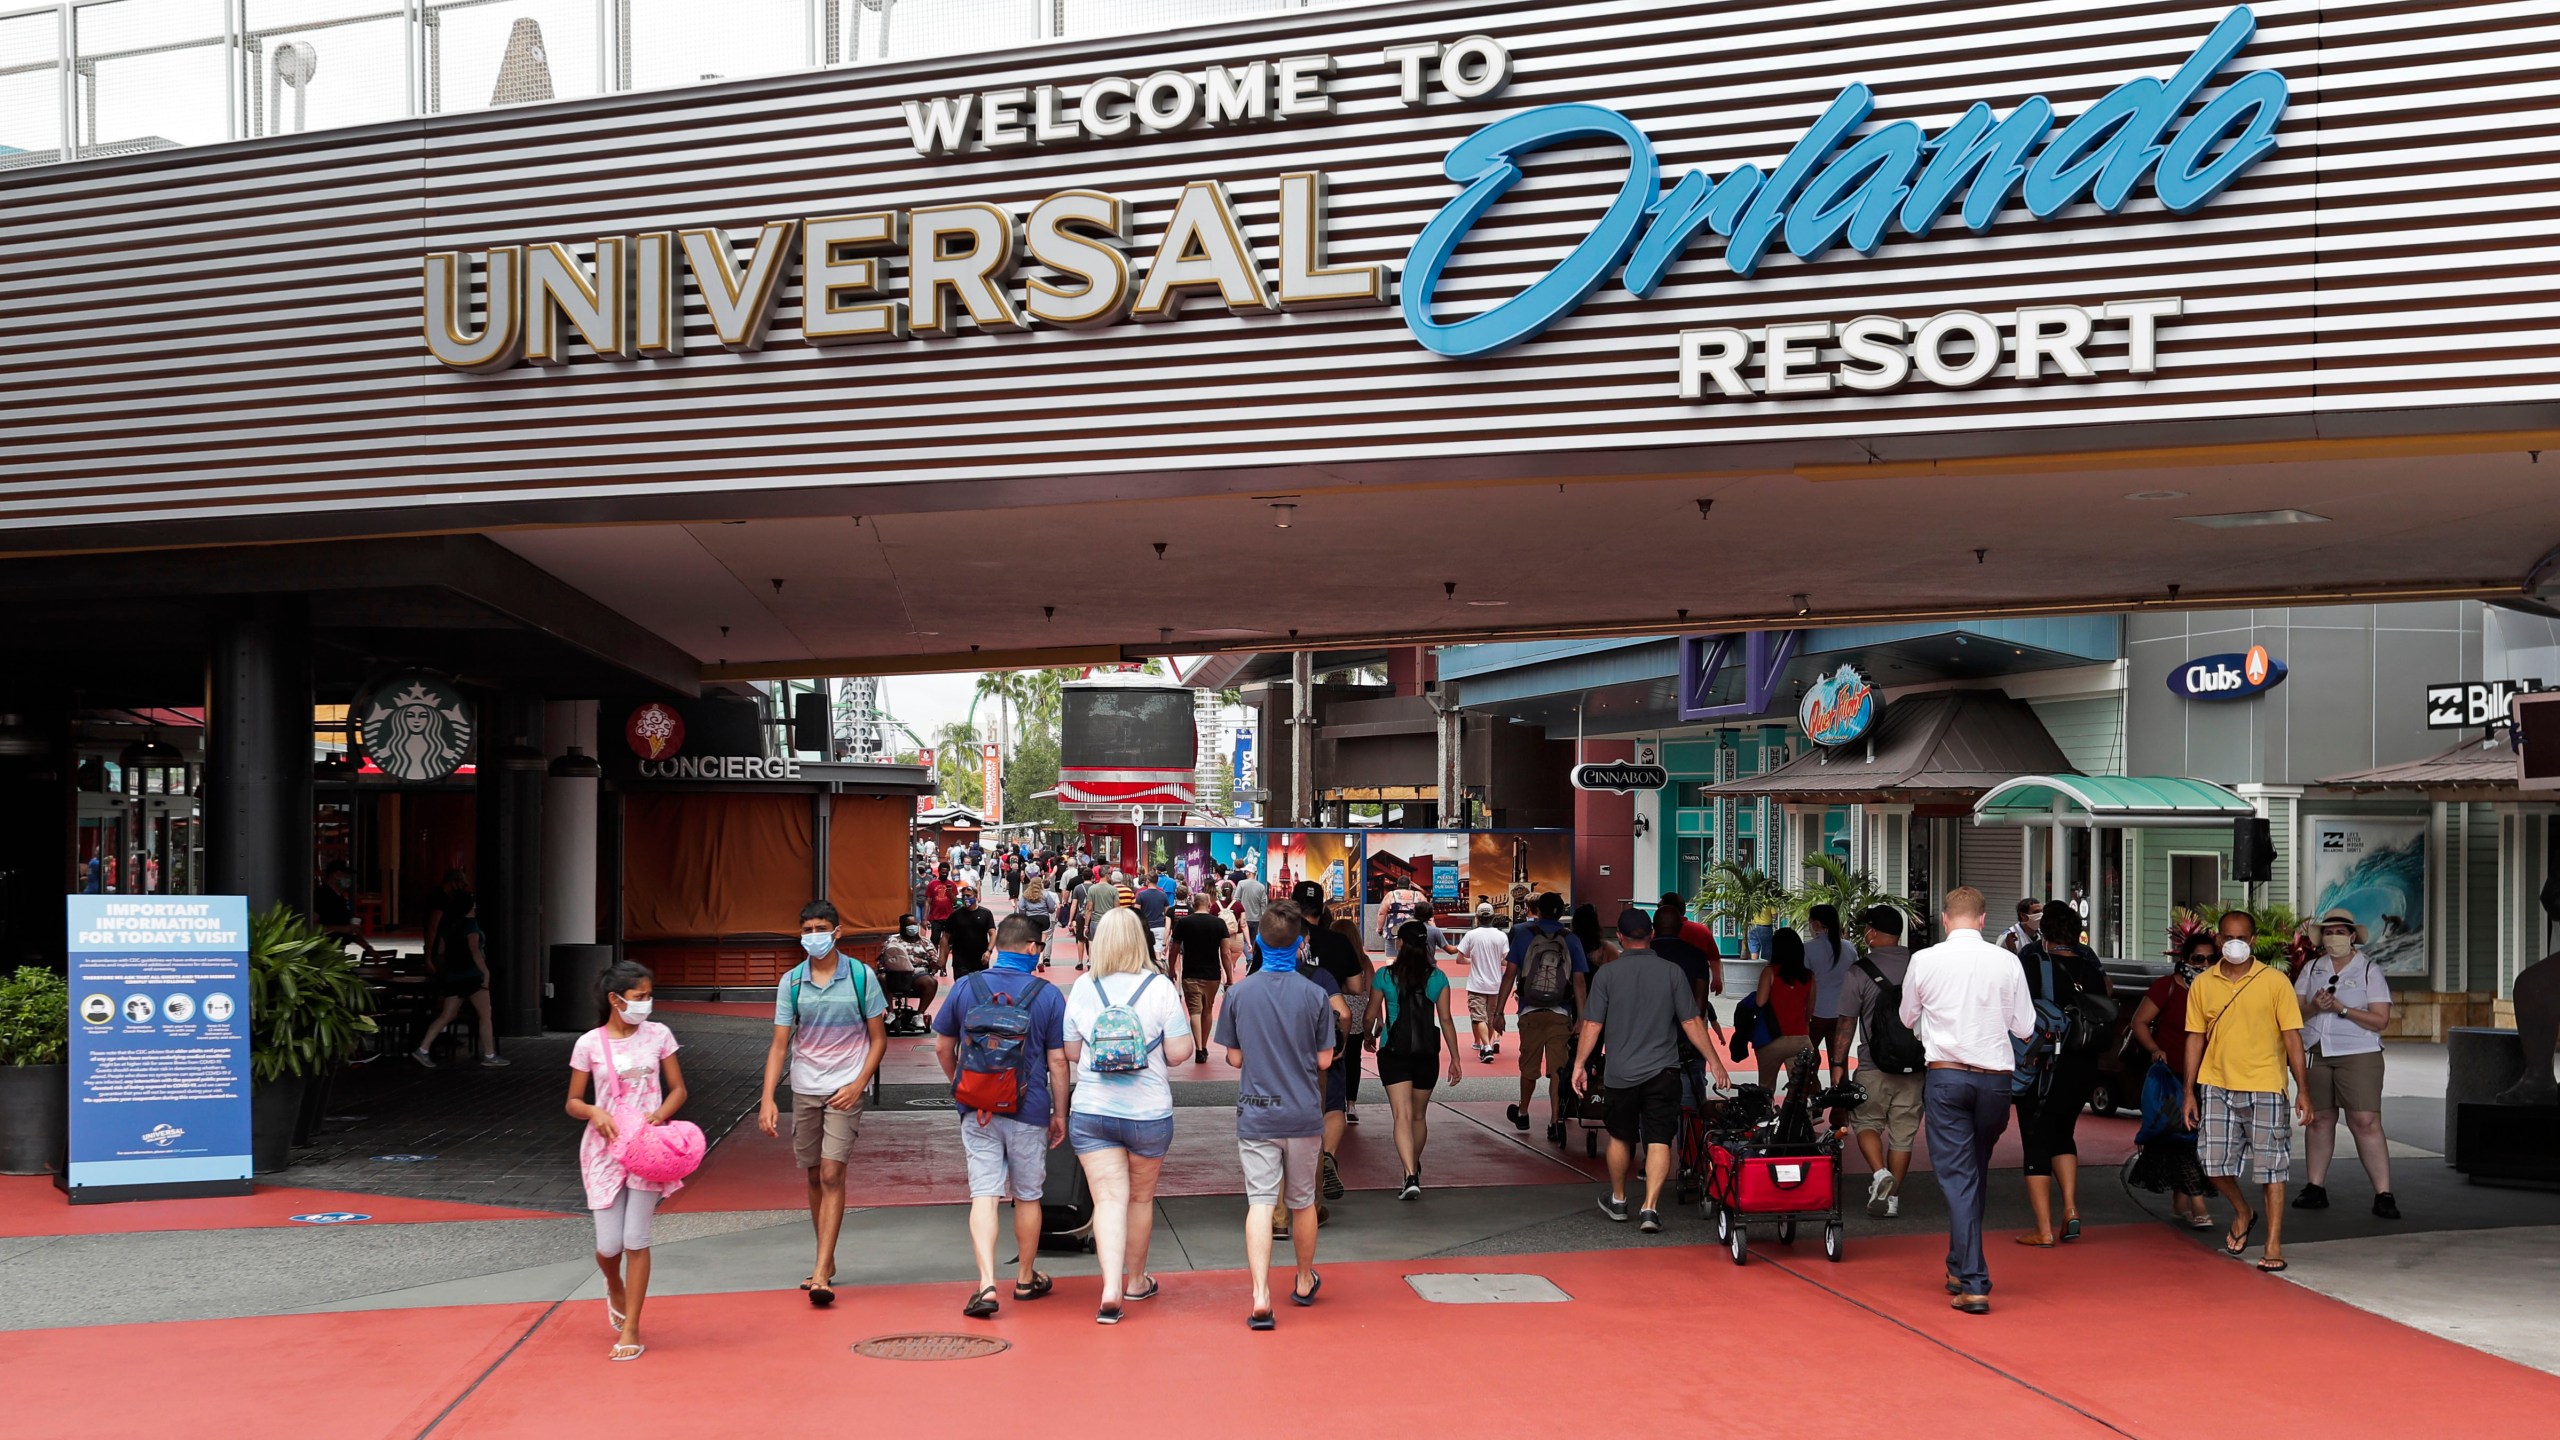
(2244,1032)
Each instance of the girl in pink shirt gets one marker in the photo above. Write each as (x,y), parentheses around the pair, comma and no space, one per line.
(624,1057)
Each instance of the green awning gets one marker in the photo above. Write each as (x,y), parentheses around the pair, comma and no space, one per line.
(2108,800)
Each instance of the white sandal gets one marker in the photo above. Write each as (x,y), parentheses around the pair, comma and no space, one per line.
(637,1350)
(613,1317)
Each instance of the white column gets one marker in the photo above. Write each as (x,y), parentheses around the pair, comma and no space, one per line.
(569,828)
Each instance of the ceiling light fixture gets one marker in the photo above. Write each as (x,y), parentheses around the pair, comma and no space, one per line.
(1282,512)
(2243,519)
(1488,604)
(1803,608)
(2157,495)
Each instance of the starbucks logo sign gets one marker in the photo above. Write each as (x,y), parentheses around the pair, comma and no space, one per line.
(415,726)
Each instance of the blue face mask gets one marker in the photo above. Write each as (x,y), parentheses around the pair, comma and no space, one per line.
(1277,957)
(1019,964)
(818,943)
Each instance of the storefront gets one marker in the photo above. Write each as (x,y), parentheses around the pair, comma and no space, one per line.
(1359,868)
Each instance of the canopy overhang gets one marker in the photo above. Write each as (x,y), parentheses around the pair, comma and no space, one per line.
(2120,800)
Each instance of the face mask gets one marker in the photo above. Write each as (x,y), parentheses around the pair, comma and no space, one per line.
(1277,957)
(818,942)
(2236,950)
(2340,946)
(635,1011)
(909,931)
(2190,971)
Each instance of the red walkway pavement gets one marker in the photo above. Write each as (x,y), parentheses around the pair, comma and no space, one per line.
(30,1205)
(1632,1352)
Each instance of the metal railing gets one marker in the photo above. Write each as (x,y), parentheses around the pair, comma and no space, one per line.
(81,79)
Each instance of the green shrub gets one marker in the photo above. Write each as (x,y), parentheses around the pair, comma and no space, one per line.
(307,1005)
(35,1018)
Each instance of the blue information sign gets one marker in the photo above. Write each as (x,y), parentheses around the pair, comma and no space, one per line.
(159,1046)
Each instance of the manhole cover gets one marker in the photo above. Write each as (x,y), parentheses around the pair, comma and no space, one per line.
(931,1347)
(930,1102)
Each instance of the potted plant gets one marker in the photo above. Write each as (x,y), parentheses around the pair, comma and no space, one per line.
(1850,892)
(35,1073)
(1746,897)
(307,1009)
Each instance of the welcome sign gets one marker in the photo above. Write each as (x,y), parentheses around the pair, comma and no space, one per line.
(1069,261)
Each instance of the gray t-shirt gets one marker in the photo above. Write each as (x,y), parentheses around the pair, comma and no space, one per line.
(1858,993)
(1252,897)
(1639,1000)
(1829,958)
(1280,1022)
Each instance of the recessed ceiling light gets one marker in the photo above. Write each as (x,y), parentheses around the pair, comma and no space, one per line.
(2243,518)
(1487,604)
(2157,495)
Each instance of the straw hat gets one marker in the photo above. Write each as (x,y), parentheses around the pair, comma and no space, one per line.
(2340,915)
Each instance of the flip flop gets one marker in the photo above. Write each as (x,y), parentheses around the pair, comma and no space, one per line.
(1039,1287)
(613,1317)
(1260,1320)
(2032,1242)
(2238,1248)
(1310,1297)
(637,1350)
(2070,1229)
(822,1296)
(2272,1267)
(1153,1286)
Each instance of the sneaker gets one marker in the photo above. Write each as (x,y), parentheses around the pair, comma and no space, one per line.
(1892,1207)
(1332,1182)
(1412,1188)
(1199,1057)
(493,1062)
(423,1058)
(1519,1118)
(2313,1197)
(1614,1208)
(1879,1189)
(1649,1221)
(2385,1208)
(1484,1054)
(1350,1116)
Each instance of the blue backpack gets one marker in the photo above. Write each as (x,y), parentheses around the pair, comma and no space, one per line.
(995,1039)
(1116,1043)
(2036,1050)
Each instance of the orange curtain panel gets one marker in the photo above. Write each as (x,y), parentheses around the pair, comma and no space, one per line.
(700,866)
(867,859)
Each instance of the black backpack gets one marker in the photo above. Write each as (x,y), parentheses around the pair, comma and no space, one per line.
(1417,1027)
(1896,1049)
(1546,970)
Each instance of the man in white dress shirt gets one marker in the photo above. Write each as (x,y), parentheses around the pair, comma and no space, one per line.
(1966,998)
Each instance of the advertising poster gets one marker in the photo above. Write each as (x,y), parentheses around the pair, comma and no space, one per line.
(1329,861)
(2375,867)
(991,783)
(159,1046)
(1427,862)
(1512,869)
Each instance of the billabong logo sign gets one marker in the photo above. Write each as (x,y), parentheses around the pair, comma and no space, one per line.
(1897,177)
(1619,778)
(415,726)
(2228,677)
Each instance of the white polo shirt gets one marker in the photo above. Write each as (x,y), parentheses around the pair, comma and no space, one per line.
(1965,997)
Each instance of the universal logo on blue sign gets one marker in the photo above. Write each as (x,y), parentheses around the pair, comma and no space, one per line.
(2228,677)
(1896,178)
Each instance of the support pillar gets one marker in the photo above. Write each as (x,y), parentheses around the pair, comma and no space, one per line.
(257,752)
(511,779)
(569,790)
(1449,775)
(1302,738)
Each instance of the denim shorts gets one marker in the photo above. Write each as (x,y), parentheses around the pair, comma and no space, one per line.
(1146,1139)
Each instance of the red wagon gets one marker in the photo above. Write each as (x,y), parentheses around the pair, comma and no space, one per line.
(1749,1181)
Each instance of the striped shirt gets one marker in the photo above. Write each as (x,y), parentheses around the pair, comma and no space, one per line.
(829,1024)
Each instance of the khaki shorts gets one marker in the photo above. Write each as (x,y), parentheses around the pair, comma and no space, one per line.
(2346,1082)
(1892,1106)
(1480,1011)
(1545,1038)
(818,1133)
(1198,997)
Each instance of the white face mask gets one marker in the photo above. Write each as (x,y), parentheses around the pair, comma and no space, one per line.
(2236,950)
(818,943)
(636,1011)
(2340,946)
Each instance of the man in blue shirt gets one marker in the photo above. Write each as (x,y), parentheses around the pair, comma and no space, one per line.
(1280,1034)
(1008,1154)
(1548,1003)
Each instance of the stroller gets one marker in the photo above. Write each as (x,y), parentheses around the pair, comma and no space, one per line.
(1767,1163)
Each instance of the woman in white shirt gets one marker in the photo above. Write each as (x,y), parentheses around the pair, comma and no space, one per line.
(1121,1118)
(2346,1005)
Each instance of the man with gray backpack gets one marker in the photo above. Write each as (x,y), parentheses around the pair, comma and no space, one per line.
(1890,1059)
(1001,1037)
(1553,978)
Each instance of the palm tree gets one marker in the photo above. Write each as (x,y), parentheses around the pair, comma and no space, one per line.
(1850,893)
(958,776)
(1742,895)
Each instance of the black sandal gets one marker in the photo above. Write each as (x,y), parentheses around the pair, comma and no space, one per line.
(1109,1314)
(982,1305)
(822,1296)
(2272,1267)
(1260,1320)
(1309,1298)
(2238,1247)
(1039,1287)
(1153,1285)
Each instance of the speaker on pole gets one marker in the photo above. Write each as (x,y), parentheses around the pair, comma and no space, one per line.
(2253,850)
(809,722)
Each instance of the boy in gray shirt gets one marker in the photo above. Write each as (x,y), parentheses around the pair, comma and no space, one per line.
(1279,1033)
